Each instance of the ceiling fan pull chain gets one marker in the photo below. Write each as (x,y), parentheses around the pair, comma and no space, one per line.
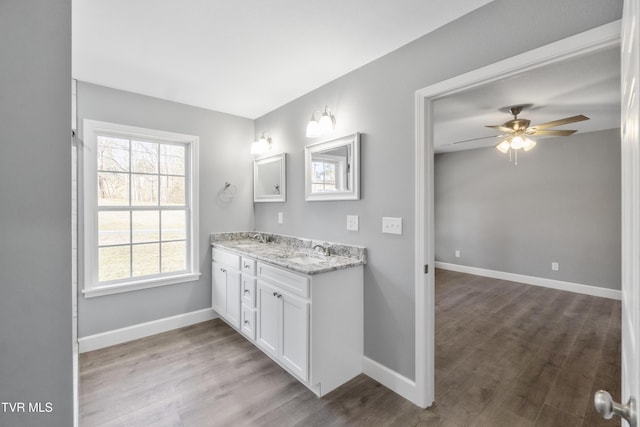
(516,154)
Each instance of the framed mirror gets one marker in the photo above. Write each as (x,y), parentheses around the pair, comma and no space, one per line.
(332,169)
(270,178)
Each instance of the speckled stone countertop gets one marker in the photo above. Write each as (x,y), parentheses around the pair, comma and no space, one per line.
(293,253)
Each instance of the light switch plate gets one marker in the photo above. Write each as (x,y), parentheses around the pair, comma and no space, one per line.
(352,222)
(280,218)
(391,225)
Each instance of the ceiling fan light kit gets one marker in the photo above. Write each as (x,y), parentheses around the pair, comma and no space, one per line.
(518,131)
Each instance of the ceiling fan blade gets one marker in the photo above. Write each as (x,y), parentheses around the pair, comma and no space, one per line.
(500,128)
(476,139)
(552,132)
(560,122)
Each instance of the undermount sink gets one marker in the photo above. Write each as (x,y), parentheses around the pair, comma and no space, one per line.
(305,260)
(246,245)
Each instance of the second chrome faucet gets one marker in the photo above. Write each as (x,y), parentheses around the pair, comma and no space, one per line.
(326,250)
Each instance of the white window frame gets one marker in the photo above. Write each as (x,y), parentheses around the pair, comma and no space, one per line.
(91,130)
(340,166)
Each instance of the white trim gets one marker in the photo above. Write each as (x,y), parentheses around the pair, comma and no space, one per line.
(354,192)
(389,378)
(599,38)
(140,284)
(91,128)
(630,125)
(272,158)
(578,288)
(134,332)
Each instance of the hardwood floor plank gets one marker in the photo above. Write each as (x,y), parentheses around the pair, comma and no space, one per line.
(507,354)
(553,417)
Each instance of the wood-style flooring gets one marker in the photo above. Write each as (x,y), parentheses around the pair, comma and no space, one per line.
(507,354)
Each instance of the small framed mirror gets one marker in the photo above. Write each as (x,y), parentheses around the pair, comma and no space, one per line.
(270,178)
(332,169)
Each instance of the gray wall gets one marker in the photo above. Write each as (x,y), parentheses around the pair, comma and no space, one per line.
(225,141)
(561,203)
(378,100)
(35,212)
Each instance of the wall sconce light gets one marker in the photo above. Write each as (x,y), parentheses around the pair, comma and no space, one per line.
(324,125)
(262,145)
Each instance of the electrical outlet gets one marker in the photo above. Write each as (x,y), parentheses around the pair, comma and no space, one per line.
(352,222)
(457,253)
(391,225)
(280,218)
(555,266)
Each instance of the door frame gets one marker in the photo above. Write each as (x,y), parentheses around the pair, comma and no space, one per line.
(599,38)
(630,164)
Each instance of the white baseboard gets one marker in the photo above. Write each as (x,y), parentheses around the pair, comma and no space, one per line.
(536,281)
(390,379)
(134,332)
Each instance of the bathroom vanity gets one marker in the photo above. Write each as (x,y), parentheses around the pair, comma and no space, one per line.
(301,307)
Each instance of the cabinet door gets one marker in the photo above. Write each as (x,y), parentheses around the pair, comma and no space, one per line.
(295,335)
(233,298)
(269,308)
(218,289)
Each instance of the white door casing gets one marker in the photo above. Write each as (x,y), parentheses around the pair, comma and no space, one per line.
(630,151)
(603,37)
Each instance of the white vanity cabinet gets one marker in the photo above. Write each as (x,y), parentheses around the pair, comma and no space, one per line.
(310,324)
(283,327)
(225,289)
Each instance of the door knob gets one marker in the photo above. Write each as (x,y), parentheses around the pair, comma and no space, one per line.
(607,408)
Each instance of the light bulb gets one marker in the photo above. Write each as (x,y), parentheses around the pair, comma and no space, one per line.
(313,129)
(529,144)
(255,148)
(503,146)
(326,122)
(517,142)
(261,146)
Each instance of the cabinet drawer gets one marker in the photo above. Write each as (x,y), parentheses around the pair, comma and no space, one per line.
(248,325)
(249,291)
(227,258)
(248,266)
(298,285)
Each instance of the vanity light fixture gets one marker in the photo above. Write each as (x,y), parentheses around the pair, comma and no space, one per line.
(262,145)
(325,124)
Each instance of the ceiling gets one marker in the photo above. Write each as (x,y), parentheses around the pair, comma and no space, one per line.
(245,57)
(588,85)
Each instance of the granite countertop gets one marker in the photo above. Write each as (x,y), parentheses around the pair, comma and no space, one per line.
(293,253)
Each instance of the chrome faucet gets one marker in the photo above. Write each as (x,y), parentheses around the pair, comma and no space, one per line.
(260,238)
(326,250)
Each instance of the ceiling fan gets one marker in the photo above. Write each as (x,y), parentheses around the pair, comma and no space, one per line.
(517,131)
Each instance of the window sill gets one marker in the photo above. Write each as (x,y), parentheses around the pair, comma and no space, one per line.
(140,284)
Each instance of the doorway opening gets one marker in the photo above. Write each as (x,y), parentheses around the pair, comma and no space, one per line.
(600,38)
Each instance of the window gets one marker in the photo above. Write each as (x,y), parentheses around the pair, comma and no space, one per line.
(140,207)
(327,173)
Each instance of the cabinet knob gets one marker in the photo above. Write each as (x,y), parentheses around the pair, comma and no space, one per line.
(246,322)
(246,291)
(279,295)
(247,266)
(223,270)
(275,294)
